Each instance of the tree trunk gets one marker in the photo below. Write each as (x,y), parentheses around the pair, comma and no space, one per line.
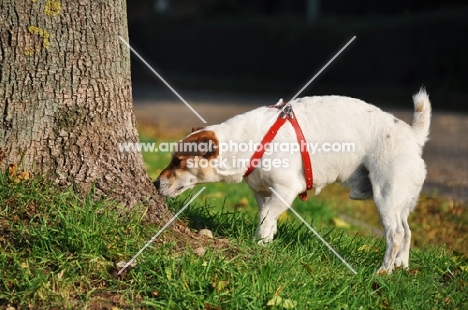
(65,97)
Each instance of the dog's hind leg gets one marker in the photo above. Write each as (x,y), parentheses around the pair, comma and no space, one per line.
(394,231)
(402,259)
(395,195)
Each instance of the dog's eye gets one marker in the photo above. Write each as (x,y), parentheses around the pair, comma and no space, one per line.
(176,160)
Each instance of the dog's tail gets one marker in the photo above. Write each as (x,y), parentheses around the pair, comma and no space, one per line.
(422,116)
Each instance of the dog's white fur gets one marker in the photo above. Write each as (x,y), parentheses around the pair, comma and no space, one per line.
(386,165)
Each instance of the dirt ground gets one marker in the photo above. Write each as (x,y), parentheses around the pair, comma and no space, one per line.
(446,153)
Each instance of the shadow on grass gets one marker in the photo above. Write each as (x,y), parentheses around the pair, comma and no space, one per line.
(224,223)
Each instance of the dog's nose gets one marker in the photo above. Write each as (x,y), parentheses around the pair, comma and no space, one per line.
(157,184)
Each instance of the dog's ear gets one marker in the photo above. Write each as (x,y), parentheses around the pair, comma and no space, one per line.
(204,147)
(197,128)
(203,143)
(207,148)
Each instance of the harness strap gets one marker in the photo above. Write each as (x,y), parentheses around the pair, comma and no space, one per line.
(309,178)
(287,114)
(269,136)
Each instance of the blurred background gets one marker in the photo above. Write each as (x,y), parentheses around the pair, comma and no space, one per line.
(273,47)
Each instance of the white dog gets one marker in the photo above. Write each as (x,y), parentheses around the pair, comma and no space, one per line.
(385,164)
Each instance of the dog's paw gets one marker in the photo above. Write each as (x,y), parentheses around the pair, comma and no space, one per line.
(402,260)
(264,241)
(265,232)
(383,271)
(401,263)
(262,238)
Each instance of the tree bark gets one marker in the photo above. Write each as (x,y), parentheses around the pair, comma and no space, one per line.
(65,97)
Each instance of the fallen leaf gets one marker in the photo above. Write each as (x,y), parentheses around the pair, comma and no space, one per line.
(219,286)
(289,304)
(340,223)
(242,203)
(60,274)
(284,303)
(25,175)
(12,169)
(275,301)
(365,247)
(278,290)
(414,271)
(168,273)
(211,307)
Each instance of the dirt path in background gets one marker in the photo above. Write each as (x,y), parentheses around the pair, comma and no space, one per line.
(446,153)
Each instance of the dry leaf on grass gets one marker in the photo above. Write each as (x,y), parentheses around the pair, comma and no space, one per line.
(337,222)
(16,176)
(12,169)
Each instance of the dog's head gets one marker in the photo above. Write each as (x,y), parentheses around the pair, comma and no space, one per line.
(190,164)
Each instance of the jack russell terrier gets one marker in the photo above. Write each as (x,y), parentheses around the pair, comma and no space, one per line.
(385,162)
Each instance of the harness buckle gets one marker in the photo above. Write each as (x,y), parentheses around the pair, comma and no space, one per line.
(287,111)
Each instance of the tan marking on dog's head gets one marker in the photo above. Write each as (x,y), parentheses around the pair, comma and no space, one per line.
(183,171)
(177,163)
(203,143)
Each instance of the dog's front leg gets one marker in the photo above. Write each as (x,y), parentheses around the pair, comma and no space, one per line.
(261,199)
(269,213)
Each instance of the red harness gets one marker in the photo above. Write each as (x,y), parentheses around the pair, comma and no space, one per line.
(286,114)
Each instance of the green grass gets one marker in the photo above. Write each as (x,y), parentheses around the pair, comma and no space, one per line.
(59,251)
